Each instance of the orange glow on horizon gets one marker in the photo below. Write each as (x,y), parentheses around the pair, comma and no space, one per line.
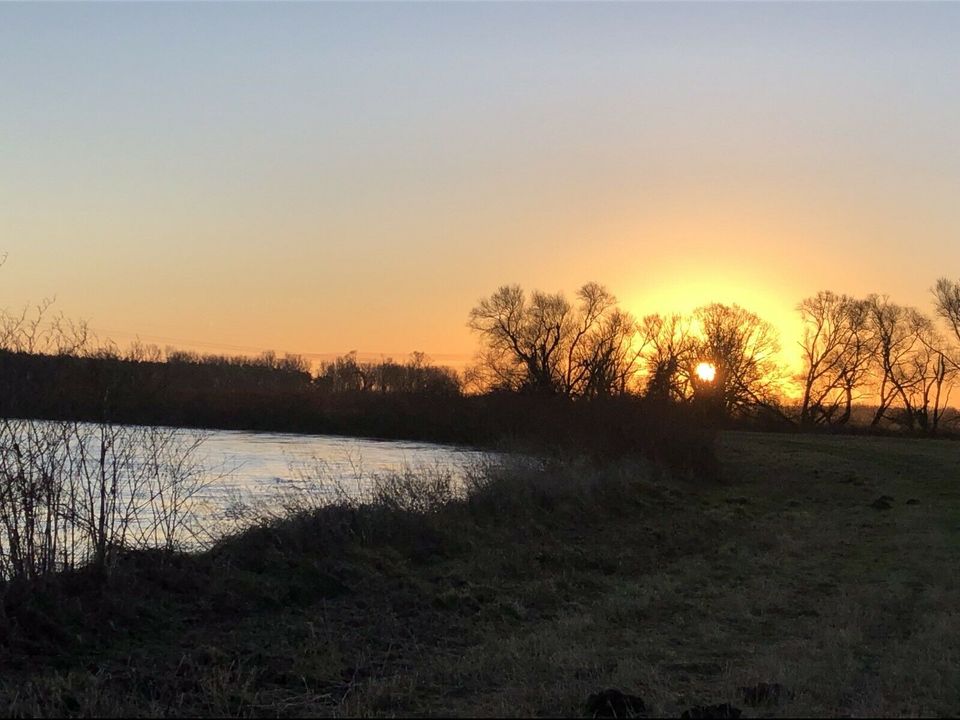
(695,158)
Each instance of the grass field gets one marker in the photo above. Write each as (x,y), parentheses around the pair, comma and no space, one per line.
(524,602)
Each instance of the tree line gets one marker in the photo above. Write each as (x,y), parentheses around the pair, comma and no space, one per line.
(899,359)
(857,353)
(543,344)
(867,351)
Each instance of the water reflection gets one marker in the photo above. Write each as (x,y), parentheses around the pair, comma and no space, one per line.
(258,466)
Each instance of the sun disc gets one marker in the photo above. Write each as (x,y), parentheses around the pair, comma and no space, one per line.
(707,372)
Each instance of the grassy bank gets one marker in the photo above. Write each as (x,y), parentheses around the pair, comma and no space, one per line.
(545,586)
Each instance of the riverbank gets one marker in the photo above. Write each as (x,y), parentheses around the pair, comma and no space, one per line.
(545,586)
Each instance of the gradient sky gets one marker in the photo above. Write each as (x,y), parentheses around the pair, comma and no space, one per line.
(321,177)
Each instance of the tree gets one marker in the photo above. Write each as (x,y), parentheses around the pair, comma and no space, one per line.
(947,303)
(608,357)
(342,375)
(670,346)
(743,348)
(542,344)
(38,330)
(583,346)
(933,376)
(523,338)
(837,349)
(896,331)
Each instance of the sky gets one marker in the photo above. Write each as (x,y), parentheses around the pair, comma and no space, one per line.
(319,178)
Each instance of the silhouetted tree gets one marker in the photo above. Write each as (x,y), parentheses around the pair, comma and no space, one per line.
(544,345)
(608,357)
(669,346)
(143,353)
(583,346)
(933,374)
(743,348)
(913,373)
(40,330)
(837,349)
(947,303)
(896,331)
(417,376)
(522,338)
(342,375)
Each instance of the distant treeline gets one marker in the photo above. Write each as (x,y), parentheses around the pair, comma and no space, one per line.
(410,400)
(545,365)
(189,389)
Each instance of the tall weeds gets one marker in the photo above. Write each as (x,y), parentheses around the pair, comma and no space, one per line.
(72,494)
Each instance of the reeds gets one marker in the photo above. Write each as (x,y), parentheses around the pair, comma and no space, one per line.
(73,494)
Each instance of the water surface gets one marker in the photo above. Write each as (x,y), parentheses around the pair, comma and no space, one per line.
(259,466)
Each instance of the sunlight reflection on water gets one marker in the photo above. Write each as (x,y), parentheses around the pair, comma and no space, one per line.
(257,465)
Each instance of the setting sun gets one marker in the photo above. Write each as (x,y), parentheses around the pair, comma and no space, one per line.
(707,372)
(507,309)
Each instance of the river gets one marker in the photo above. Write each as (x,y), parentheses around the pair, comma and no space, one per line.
(263,467)
(146,485)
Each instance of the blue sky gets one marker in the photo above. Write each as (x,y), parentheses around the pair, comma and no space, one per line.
(324,177)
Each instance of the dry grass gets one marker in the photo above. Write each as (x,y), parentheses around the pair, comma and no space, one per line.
(551,584)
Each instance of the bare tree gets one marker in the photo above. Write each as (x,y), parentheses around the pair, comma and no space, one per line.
(140,352)
(894,332)
(595,301)
(609,356)
(947,300)
(743,348)
(669,347)
(75,493)
(543,344)
(947,303)
(523,337)
(344,374)
(913,371)
(837,348)
(39,330)
(934,375)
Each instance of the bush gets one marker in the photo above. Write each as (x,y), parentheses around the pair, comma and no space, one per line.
(73,493)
